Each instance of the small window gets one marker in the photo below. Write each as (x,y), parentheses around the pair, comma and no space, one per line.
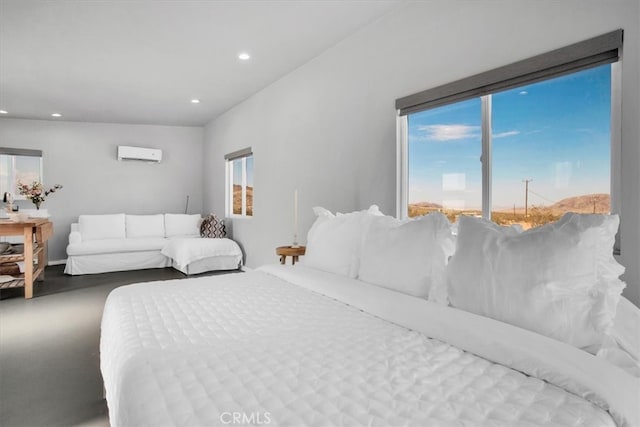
(19,166)
(240,183)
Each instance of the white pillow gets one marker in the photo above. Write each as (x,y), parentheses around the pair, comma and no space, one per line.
(333,241)
(98,227)
(626,327)
(407,256)
(182,225)
(145,226)
(622,345)
(606,227)
(559,280)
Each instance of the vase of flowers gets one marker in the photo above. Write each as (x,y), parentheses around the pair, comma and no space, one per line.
(36,192)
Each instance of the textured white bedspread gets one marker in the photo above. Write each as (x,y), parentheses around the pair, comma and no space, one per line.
(198,352)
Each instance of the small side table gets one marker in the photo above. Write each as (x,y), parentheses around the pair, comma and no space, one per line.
(294,253)
(36,232)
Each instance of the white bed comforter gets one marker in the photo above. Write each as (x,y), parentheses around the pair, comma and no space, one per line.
(262,348)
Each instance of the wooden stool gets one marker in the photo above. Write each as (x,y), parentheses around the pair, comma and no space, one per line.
(294,253)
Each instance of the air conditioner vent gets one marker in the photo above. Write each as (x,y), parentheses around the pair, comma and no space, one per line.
(150,155)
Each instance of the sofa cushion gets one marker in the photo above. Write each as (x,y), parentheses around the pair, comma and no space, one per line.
(182,225)
(213,227)
(99,227)
(138,226)
(109,246)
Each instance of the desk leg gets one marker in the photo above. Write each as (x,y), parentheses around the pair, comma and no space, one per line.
(294,259)
(42,255)
(28,262)
(283,259)
(42,261)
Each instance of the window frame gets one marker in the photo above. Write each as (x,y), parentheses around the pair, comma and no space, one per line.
(12,182)
(404,108)
(230,158)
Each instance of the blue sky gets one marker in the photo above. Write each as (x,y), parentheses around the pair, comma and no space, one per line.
(237,171)
(555,133)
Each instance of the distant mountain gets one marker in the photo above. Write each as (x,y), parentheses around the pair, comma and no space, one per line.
(589,203)
(428,205)
(237,199)
(423,208)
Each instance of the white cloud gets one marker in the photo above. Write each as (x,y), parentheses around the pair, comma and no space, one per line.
(449,132)
(531,132)
(523,92)
(505,134)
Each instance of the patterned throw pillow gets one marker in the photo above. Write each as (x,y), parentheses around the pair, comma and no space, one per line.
(212,226)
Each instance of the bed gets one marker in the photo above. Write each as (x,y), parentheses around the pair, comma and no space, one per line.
(302,346)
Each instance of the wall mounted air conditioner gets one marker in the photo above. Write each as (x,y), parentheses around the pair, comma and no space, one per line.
(150,155)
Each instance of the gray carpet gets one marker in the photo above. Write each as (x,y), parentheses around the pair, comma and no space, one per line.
(49,348)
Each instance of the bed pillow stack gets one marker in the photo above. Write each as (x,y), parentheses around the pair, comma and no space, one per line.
(560,279)
(408,256)
(333,241)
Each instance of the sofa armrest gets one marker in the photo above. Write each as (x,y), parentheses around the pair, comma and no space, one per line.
(75,236)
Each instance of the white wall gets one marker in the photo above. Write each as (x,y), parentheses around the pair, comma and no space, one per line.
(82,157)
(328,128)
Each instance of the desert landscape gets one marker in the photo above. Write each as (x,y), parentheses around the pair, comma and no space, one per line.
(237,200)
(535,214)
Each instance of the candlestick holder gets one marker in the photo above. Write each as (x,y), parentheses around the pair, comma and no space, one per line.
(295,220)
(295,241)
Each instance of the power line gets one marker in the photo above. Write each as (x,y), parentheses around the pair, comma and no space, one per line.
(541,196)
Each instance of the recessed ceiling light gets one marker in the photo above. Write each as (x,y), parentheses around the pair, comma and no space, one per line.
(195,101)
(56,115)
(4,112)
(244,56)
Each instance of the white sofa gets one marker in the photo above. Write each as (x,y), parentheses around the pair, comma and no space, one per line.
(120,242)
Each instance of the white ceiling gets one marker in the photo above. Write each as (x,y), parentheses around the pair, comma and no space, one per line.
(143,61)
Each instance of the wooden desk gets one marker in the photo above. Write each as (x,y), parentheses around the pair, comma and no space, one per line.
(294,253)
(36,232)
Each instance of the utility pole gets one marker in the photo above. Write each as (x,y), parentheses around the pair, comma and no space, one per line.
(526,195)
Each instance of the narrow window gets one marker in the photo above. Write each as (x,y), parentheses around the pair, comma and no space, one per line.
(239,187)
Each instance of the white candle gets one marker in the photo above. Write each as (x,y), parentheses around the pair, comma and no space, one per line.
(295,218)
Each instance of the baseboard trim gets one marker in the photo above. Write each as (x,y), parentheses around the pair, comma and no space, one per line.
(57,262)
(245,268)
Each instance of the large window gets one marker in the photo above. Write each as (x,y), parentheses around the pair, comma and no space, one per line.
(19,166)
(239,183)
(525,151)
